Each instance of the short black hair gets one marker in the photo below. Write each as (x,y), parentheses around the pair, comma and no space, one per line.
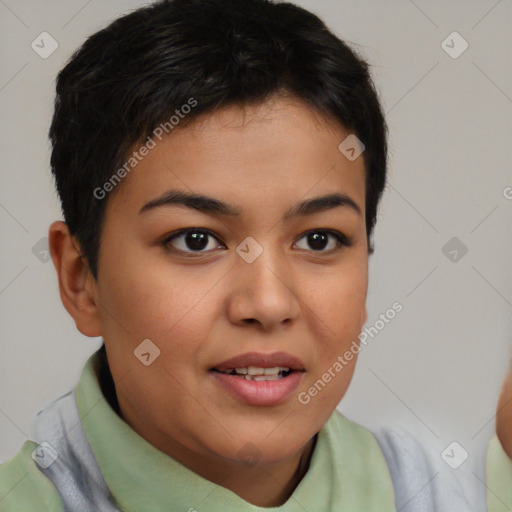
(133,75)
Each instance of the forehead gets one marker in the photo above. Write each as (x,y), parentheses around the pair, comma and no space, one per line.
(250,156)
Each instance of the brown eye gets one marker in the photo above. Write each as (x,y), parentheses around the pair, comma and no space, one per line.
(192,240)
(318,240)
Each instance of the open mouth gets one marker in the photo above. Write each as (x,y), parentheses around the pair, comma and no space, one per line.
(258,374)
(250,383)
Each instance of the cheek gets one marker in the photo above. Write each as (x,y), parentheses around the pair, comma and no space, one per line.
(152,300)
(338,311)
(338,317)
(340,300)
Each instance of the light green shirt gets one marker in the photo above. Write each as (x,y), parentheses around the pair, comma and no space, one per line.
(499,478)
(347,471)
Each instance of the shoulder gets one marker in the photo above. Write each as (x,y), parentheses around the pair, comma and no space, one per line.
(356,465)
(23,487)
(355,437)
(356,444)
(422,479)
(341,425)
(403,451)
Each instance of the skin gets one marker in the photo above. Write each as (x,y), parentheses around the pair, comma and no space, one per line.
(504,416)
(202,310)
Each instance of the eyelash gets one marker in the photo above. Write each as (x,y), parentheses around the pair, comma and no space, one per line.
(341,239)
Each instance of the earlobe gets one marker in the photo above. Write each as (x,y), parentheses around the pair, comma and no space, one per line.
(77,287)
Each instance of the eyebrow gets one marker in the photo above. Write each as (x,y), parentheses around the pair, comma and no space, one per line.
(212,206)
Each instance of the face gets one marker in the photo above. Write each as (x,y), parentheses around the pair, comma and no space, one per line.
(257,275)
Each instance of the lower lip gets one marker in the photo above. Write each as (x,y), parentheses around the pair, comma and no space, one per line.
(263,392)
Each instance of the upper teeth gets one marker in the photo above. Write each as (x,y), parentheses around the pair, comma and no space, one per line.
(254,370)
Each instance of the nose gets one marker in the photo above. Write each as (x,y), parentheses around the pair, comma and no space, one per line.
(263,292)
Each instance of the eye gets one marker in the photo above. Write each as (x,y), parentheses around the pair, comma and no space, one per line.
(199,241)
(318,239)
(191,240)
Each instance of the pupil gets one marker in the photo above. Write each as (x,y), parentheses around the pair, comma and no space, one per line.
(317,240)
(197,240)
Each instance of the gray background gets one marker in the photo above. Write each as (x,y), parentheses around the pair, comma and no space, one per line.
(436,368)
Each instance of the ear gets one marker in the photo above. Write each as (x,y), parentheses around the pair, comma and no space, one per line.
(77,286)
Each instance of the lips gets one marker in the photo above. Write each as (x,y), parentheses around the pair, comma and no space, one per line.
(261,360)
(259,379)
